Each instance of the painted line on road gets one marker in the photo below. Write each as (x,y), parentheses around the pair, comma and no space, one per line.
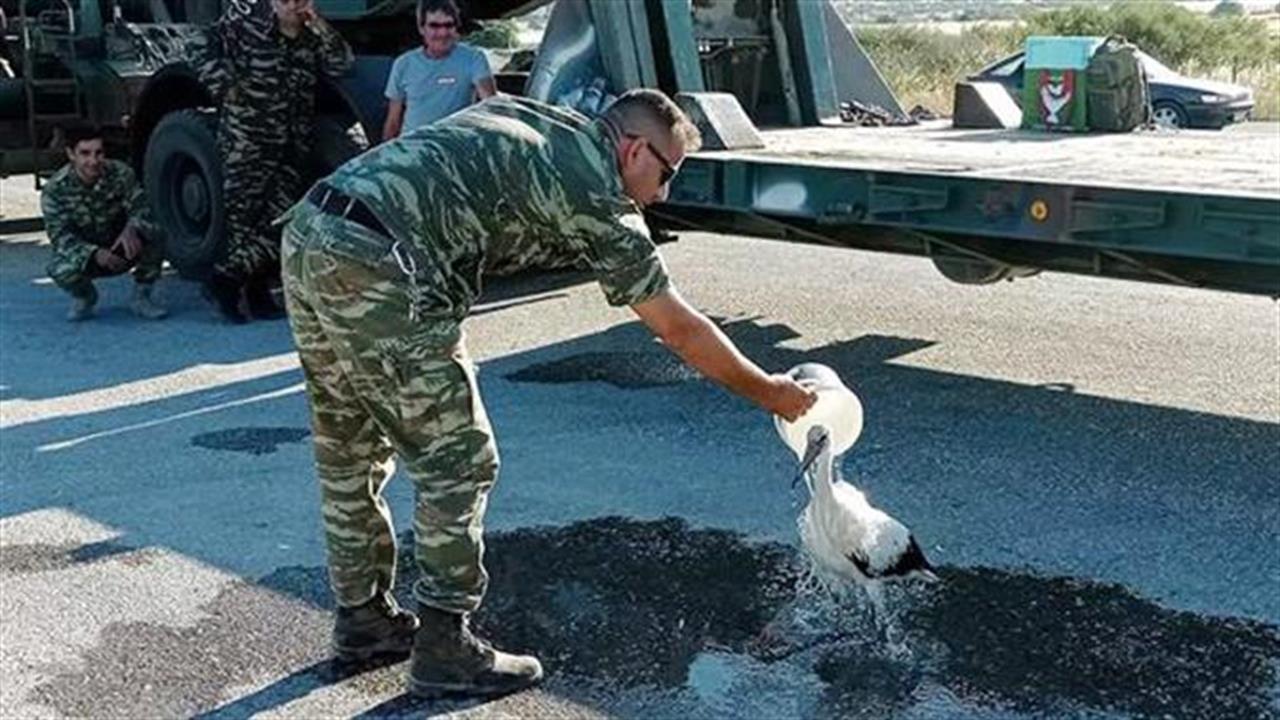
(64,444)
(183,382)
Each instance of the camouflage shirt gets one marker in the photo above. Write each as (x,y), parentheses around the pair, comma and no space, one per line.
(509,181)
(264,80)
(81,218)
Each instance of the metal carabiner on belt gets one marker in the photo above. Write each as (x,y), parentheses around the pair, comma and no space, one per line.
(409,266)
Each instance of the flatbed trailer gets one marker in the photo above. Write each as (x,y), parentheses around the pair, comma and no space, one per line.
(1196,208)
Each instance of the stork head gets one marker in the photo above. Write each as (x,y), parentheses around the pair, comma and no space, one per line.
(817,461)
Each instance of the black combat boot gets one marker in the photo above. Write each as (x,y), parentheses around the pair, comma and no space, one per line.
(83,299)
(261,301)
(224,292)
(379,627)
(448,659)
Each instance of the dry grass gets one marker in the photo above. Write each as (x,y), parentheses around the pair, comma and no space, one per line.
(922,65)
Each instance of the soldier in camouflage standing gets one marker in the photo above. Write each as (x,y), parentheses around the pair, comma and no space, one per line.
(263,68)
(99,224)
(383,262)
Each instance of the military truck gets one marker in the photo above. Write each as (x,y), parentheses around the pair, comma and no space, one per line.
(770,82)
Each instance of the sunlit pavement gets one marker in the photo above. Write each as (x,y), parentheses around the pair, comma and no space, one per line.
(1093,464)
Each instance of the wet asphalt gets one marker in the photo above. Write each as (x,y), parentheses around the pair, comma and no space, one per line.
(1092,464)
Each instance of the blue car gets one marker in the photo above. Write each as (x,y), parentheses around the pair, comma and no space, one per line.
(1176,100)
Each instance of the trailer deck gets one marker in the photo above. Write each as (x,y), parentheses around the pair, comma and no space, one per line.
(1243,160)
(1188,207)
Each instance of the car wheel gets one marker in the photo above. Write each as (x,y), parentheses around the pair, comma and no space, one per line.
(183,175)
(1167,114)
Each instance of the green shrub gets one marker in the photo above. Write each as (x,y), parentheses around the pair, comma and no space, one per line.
(922,65)
(496,34)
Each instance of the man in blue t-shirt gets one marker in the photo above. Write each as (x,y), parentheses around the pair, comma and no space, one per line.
(439,78)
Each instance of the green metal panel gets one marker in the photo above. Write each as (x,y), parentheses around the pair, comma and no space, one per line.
(623,28)
(1213,240)
(675,39)
(854,74)
(806,27)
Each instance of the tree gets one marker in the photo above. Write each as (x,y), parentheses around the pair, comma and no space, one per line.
(1228,8)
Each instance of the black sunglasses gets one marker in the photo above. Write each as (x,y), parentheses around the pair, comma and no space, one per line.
(668,170)
(442,25)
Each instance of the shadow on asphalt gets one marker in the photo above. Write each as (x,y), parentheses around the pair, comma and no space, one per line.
(28,301)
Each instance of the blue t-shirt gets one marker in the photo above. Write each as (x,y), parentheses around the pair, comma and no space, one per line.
(432,88)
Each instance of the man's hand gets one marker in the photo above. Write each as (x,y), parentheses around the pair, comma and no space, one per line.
(128,244)
(307,13)
(109,260)
(788,398)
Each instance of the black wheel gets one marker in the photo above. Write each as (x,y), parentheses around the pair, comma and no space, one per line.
(970,271)
(1169,114)
(183,175)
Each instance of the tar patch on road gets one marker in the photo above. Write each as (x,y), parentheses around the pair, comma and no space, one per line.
(1026,640)
(42,557)
(252,440)
(629,371)
(151,670)
(648,619)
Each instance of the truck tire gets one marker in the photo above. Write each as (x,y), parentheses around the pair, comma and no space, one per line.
(183,176)
(971,271)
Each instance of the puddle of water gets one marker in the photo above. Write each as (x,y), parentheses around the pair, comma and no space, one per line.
(252,440)
(656,619)
(629,371)
(1030,641)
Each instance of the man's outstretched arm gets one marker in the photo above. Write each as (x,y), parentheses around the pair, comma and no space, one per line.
(697,340)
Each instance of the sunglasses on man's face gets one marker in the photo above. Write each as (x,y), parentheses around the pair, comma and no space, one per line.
(442,25)
(668,170)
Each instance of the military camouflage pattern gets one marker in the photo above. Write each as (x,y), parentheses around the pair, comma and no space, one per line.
(81,218)
(377,389)
(377,321)
(265,83)
(259,183)
(508,182)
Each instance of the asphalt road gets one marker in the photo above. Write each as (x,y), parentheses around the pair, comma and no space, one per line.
(1092,463)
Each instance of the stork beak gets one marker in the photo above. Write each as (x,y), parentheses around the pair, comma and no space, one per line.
(818,438)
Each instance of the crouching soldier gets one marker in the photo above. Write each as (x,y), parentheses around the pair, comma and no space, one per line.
(99,225)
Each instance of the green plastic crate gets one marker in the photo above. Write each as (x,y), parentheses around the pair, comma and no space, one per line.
(1054,84)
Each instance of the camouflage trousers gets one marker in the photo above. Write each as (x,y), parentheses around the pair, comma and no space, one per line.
(259,183)
(381,385)
(75,272)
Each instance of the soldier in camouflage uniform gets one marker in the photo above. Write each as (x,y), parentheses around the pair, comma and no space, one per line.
(382,263)
(263,67)
(99,224)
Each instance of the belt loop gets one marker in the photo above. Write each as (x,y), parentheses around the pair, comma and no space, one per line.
(351,202)
(408,266)
(404,258)
(324,199)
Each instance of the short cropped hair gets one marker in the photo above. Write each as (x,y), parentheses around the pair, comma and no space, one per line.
(81,132)
(448,7)
(651,114)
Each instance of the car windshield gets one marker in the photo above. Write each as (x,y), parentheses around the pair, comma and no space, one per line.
(1155,69)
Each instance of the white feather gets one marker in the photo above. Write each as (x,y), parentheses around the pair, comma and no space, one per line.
(839,524)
